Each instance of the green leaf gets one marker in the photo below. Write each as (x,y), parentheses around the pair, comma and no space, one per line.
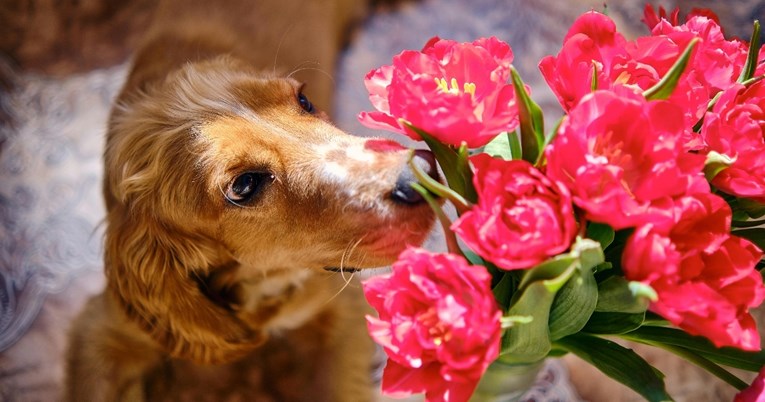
(551,136)
(589,252)
(534,298)
(619,363)
(531,121)
(573,304)
(514,140)
(556,352)
(716,163)
(706,364)
(560,266)
(751,58)
(528,342)
(616,296)
(601,233)
(504,290)
(506,145)
(747,224)
(664,88)
(510,321)
(585,254)
(453,162)
(678,342)
(728,356)
(473,258)
(753,209)
(606,323)
(751,81)
(603,267)
(576,300)
(755,235)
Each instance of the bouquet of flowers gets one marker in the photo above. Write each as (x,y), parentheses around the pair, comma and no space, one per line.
(637,217)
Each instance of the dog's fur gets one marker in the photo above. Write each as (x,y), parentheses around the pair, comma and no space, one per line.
(209,298)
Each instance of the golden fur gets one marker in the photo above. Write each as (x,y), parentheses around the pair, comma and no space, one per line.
(208,297)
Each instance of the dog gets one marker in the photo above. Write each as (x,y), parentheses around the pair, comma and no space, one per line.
(236,213)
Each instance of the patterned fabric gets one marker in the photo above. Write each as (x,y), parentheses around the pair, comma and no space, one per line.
(50,202)
(50,209)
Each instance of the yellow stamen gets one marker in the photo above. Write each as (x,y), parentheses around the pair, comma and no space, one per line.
(623,78)
(442,85)
(453,86)
(470,88)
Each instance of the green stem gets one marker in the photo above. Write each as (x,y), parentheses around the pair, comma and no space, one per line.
(451,239)
(434,186)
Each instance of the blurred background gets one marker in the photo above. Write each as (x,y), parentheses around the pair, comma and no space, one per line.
(63,61)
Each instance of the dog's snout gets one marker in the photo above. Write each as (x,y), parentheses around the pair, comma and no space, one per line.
(403,192)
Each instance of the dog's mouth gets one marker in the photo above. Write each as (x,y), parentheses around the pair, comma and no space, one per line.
(342,269)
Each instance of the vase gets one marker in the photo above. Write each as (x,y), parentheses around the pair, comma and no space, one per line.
(504,382)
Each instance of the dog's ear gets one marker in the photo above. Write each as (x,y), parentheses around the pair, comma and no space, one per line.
(155,248)
(152,272)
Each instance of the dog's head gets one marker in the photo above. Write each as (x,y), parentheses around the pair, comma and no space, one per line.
(220,167)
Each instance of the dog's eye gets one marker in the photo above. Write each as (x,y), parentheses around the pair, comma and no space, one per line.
(306,104)
(246,185)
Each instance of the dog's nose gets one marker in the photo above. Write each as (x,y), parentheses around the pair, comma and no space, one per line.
(403,192)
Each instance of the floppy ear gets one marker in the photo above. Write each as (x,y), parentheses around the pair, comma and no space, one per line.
(154,252)
(151,271)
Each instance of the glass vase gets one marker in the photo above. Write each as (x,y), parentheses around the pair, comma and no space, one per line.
(504,382)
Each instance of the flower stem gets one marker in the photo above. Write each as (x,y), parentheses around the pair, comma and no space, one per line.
(433,186)
(451,239)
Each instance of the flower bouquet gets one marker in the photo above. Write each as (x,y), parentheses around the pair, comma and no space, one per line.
(637,217)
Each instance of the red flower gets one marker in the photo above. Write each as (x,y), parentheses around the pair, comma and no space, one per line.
(717,62)
(705,278)
(651,19)
(438,323)
(649,60)
(522,218)
(736,128)
(594,43)
(453,91)
(620,156)
(755,392)
(715,65)
(591,42)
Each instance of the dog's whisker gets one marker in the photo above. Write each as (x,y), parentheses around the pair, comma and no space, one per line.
(305,64)
(346,283)
(328,75)
(346,255)
(279,46)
